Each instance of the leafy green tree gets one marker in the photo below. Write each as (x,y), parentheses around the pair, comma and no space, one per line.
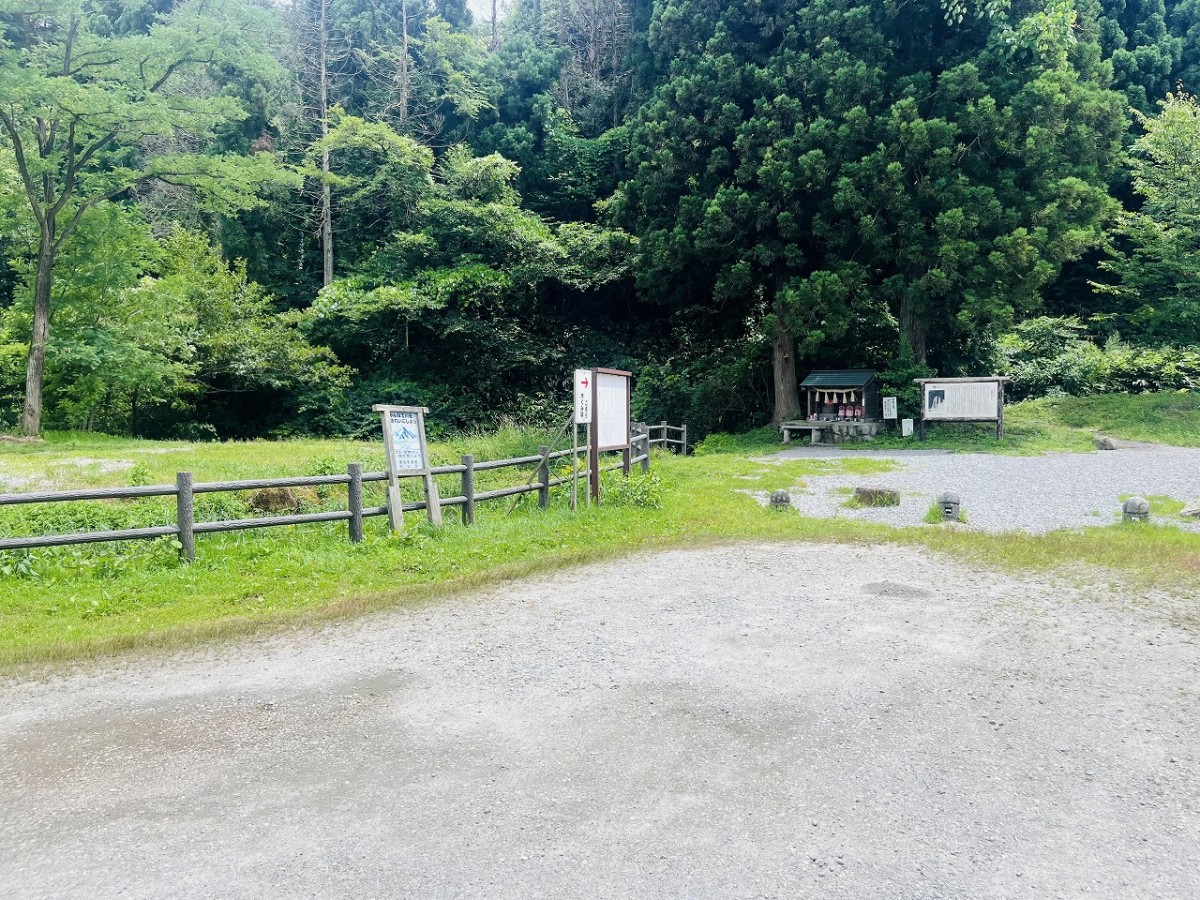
(468,307)
(151,334)
(808,166)
(1156,253)
(82,105)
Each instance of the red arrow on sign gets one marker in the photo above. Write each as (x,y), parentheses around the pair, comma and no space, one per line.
(583,382)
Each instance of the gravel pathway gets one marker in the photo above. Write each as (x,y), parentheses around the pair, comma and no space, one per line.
(755,721)
(1009,493)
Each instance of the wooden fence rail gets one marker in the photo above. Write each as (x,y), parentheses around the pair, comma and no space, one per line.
(185,490)
(665,440)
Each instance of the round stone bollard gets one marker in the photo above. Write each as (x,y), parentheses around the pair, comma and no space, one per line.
(1136,509)
(951,505)
(781,500)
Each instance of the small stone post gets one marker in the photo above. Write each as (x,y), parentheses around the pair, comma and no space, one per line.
(1136,509)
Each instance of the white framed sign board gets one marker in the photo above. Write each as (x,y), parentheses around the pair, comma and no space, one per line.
(889,407)
(612,410)
(963,400)
(610,426)
(407,455)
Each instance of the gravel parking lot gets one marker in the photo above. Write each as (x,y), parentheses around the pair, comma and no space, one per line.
(1011,493)
(752,721)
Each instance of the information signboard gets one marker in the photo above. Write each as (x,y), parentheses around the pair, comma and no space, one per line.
(889,407)
(407,454)
(972,401)
(963,400)
(612,410)
(583,396)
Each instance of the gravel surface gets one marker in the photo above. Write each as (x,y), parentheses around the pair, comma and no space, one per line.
(1009,493)
(753,721)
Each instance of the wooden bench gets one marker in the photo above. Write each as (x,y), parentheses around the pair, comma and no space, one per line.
(815,428)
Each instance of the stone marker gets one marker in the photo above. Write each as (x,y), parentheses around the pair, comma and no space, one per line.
(1192,509)
(951,504)
(781,500)
(1136,509)
(877,496)
(1103,443)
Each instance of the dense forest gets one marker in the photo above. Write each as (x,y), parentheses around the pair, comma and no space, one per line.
(234,218)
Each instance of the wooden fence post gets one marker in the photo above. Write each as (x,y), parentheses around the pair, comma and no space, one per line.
(468,489)
(665,435)
(645,450)
(354,470)
(683,450)
(185,515)
(543,478)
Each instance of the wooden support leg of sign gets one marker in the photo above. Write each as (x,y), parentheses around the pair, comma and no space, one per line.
(395,506)
(433,503)
(593,465)
(574,466)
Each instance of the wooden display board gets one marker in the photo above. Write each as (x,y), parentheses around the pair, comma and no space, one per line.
(407,455)
(963,400)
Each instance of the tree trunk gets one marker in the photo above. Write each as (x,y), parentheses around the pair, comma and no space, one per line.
(787,385)
(495,25)
(403,75)
(326,193)
(912,331)
(35,372)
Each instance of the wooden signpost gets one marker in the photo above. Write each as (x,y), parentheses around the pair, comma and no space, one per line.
(407,454)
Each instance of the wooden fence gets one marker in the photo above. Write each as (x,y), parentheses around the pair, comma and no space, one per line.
(185,490)
(664,438)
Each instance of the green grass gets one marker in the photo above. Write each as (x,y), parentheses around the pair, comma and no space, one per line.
(935,516)
(93,601)
(1163,418)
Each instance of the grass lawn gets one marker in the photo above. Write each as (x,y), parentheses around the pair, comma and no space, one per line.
(72,603)
(1068,424)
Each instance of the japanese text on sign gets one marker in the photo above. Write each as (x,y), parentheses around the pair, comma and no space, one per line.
(583,396)
(405,430)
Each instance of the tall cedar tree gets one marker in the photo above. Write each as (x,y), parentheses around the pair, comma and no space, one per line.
(807,159)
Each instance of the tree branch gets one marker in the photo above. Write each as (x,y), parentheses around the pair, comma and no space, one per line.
(23,168)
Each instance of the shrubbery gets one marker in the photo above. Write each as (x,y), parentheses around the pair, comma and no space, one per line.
(1055,355)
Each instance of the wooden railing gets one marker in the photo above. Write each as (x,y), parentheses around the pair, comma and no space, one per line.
(185,490)
(664,439)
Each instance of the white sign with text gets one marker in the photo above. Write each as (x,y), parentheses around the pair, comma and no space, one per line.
(583,396)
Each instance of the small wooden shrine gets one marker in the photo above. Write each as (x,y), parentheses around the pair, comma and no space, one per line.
(842,405)
(843,395)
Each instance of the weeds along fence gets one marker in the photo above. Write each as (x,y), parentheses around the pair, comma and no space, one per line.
(186,489)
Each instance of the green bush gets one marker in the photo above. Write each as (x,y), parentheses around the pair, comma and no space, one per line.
(643,491)
(1047,356)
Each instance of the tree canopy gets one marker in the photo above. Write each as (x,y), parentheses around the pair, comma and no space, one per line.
(230,217)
